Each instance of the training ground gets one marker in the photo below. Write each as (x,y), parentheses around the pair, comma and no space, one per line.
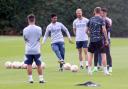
(12,49)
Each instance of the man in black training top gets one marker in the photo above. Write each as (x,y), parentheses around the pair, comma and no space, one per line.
(97,29)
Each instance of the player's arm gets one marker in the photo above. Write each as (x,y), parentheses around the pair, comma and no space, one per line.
(40,35)
(110,22)
(46,35)
(74,31)
(67,32)
(88,29)
(25,39)
(41,32)
(74,28)
(104,30)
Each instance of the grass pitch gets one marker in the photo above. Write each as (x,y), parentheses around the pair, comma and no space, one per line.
(12,49)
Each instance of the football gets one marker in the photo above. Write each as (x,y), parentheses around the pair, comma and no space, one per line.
(67,66)
(43,65)
(17,65)
(34,65)
(8,64)
(23,66)
(13,65)
(74,68)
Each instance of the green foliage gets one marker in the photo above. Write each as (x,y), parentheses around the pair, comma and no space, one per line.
(13,13)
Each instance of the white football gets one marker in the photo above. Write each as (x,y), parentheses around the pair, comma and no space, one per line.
(34,65)
(74,68)
(67,66)
(13,65)
(8,64)
(17,65)
(43,65)
(23,66)
(20,64)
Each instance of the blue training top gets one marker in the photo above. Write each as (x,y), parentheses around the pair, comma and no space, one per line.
(95,26)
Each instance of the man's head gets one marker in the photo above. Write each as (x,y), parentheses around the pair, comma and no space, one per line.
(54,18)
(104,12)
(31,19)
(79,13)
(97,11)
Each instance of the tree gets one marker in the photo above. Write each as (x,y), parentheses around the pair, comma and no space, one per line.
(13,13)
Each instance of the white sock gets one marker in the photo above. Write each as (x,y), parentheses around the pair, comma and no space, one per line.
(62,60)
(41,78)
(30,78)
(105,70)
(86,63)
(89,69)
(110,69)
(81,63)
(95,67)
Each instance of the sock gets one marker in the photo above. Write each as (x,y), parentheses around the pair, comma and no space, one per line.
(95,67)
(61,65)
(81,63)
(110,69)
(105,70)
(86,63)
(30,78)
(41,78)
(61,59)
(89,69)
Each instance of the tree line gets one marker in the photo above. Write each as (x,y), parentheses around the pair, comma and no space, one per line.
(13,13)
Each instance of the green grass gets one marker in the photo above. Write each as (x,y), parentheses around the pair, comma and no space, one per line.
(12,49)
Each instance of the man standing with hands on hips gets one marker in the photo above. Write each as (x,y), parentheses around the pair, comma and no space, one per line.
(79,29)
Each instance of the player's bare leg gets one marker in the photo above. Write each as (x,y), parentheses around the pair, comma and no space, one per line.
(90,57)
(104,62)
(86,56)
(40,73)
(80,58)
(29,71)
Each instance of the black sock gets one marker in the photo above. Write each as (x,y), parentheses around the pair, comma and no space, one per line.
(61,65)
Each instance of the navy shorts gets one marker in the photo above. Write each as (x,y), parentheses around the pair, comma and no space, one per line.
(81,44)
(97,46)
(29,58)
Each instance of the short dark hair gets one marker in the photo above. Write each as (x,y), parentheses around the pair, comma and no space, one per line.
(104,10)
(31,17)
(53,15)
(97,10)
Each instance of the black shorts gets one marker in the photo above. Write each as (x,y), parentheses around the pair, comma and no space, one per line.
(97,46)
(29,58)
(81,44)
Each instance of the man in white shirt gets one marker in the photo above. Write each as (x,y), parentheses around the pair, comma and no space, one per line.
(32,34)
(57,40)
(79,29)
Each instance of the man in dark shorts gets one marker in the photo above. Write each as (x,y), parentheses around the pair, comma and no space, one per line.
(108,22)
(97,56)
(79,29)
(97,29)
(32,34)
